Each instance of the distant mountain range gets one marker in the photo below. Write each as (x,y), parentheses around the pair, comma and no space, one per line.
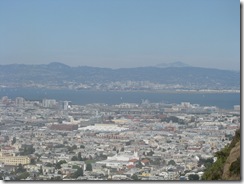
(173,64)
(58,73)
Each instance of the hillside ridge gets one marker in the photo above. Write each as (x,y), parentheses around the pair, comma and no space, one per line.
(58,73)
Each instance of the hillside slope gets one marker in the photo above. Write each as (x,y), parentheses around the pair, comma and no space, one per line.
(227,166)
(232,165)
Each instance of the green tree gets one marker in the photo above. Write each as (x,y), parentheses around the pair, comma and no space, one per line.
(14,140)
(23,175)
(58,164)
(74,158)
(134,177)
(32,161)
(27,150)
(74,147)
(128,143)
(206,162)
(150,153)
(20,169)
(82,146)
(41,171)
(235,166)
(139,165)
(103,157)
(49,165)
(88,167)
(171,162)
(57,178)
(75,167)
(156,161)
(77,173)
(79,156)
(193,177)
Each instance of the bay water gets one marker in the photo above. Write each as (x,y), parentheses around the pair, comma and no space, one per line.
(82,97)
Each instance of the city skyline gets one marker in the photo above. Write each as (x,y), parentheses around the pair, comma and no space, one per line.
(121,34)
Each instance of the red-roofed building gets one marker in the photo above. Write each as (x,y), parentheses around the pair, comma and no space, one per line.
(145,162)
(130,166)
(133,162)
(8,150)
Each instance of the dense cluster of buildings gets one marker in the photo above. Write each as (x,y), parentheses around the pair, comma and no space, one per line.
(127,85)
(45,140)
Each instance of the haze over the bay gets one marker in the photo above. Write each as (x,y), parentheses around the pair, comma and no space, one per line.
(121,33)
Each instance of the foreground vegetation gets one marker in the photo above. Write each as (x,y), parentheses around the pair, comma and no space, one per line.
(215,171)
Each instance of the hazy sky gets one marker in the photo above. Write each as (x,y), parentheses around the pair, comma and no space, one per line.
(121,33)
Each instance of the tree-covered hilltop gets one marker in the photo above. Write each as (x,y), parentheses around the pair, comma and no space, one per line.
(228,165)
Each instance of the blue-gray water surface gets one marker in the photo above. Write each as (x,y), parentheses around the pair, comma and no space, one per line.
(82,97)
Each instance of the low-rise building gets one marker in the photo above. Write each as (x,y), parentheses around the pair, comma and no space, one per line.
(14,160)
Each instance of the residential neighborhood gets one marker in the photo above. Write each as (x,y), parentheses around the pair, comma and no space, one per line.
(57,140)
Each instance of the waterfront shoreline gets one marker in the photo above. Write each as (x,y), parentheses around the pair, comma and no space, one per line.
(208,91)
(82,97)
